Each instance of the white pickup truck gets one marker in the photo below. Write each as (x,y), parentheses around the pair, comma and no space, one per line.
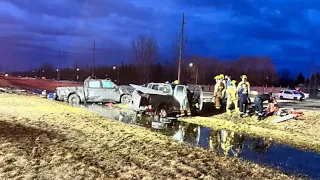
(166,99)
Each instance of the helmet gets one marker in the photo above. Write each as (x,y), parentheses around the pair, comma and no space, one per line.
(176,82)
(217,77)
(243,77)
(221,76)
(233,82)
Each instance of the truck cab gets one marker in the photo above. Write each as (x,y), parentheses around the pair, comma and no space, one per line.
(163,98)
(94,90)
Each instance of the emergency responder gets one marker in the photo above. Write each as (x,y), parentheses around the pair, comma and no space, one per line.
(243,99)
(301,93)
(244,80)
(232,97)
(228,84)
(218,91)
(223,80)
(224,86)
(228,81)
(258,102)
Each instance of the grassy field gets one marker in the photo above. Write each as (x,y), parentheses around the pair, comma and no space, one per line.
(41,139)
(302,132)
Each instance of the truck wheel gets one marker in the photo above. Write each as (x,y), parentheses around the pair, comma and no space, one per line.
(125,99)
(74,99)
(162,112)
(281,97)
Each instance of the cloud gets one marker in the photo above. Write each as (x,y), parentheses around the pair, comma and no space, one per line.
(222,28)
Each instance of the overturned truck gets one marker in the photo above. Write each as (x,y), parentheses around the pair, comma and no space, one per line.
(163,100)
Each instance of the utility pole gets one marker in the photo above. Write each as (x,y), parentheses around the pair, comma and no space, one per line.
(59,67)
(181,46)
(310,79)
(93,58)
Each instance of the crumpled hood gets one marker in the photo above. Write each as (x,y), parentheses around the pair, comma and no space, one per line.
(126,89)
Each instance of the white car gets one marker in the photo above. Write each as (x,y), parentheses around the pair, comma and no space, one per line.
(293,94)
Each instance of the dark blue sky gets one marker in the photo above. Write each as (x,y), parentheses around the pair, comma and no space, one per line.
(34,31)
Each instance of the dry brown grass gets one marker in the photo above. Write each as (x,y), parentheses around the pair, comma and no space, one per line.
(40,139)
(302,132)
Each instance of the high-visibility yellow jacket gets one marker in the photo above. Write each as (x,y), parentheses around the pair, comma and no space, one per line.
(219,89)
(232,93)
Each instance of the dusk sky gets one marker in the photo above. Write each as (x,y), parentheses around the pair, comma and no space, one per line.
(34,31)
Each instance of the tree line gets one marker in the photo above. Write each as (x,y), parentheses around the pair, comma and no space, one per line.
(145,67)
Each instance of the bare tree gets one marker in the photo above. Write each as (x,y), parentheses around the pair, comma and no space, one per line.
(145,52)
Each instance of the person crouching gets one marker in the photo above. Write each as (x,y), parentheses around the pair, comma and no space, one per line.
(243,99)
(258,103)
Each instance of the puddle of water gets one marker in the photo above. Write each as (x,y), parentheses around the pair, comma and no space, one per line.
(259,150)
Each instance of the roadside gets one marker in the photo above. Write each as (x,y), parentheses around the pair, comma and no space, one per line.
(30,84)
(41,139)
(301,133)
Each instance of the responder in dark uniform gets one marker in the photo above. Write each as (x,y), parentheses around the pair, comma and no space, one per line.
(243,99)
(258,102)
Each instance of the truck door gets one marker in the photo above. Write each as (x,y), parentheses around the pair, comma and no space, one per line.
(94,91)
(110,91)
(180,94)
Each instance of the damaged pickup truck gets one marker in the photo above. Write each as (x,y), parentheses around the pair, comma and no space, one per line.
(95,91)
(166,100)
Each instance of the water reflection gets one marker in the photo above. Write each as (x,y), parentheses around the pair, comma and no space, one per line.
(224,142)
(260,150)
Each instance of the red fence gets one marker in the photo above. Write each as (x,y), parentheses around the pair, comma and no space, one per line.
(209,88)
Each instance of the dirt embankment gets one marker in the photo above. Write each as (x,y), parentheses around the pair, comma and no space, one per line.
(40,139)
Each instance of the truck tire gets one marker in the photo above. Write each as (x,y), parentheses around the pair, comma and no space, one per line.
(281,97)
(161,112)
(74,99)
(125,99)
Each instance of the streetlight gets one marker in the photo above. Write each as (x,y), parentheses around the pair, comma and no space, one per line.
(58,75)
(191,65)
(114,68)
(41,71)
(78,74)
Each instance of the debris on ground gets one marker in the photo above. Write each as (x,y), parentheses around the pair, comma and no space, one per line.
(12,90)
(287,114)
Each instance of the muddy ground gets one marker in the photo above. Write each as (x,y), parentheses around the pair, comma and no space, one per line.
(42,139)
